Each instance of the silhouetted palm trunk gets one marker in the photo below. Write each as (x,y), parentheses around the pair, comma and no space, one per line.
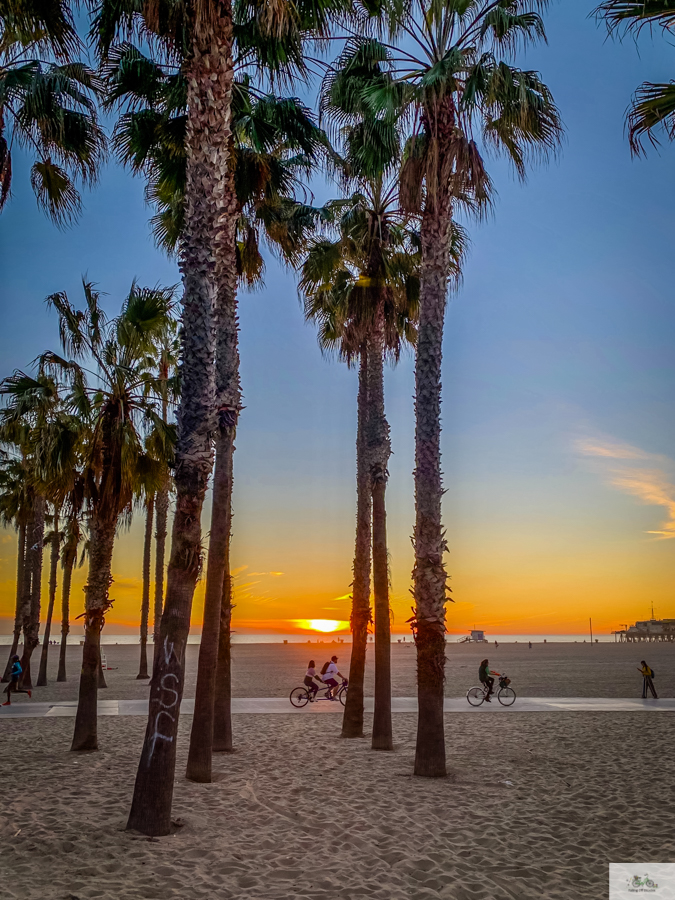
(31,616)
(145,602)
(21,555)
(222,707)
(53,570)
(162,509)
(429,575)
(228,399)
(379,450)
(68,563)
(209,77)
(352,721)
(102,539)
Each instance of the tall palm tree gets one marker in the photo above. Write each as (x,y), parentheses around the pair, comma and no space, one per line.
(200,34)
(47,106)
(274,143)
(653,105)
(73,535)
(372,273)
(15,501)
(30,415)
(114,404)
(53,540)
(450,68)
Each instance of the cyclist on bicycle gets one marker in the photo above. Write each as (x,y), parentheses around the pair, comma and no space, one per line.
(485,676)
(310,683)
(329,673)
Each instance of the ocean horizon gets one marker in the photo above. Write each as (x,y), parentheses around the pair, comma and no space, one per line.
(269,638)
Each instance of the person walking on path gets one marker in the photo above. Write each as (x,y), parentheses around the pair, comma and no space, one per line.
(14,678)
(647,683)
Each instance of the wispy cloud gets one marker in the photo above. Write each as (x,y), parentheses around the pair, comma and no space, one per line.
(652,485)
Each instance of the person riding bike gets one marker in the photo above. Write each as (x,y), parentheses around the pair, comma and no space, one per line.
(330,673)
(487,677)
(310,682)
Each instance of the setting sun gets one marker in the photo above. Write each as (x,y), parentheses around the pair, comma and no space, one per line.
(325,625)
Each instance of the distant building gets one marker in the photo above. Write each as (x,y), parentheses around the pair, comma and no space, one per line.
(649,630)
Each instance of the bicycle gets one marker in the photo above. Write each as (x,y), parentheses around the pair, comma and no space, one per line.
(301,696)
(506,695)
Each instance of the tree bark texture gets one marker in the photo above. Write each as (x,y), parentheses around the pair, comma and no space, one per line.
(145,601)
(209,76)
(53,572)
(96,604)
(228,400)
(429,574)
(201,736)
(20,556)
(31,604)
(70,555)
(222,707)
(379,451)
(352,720)
(162,510)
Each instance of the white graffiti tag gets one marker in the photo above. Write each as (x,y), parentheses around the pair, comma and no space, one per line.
(164,713)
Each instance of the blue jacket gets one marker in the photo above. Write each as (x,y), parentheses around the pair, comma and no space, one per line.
(16,669)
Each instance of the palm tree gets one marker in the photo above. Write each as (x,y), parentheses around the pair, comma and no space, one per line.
(450,70)
(15,500)
(653,105)
(53,540)
(274,141)
(114,405)
(364,300)
(149,505)
(47,107)
(28,419)
(199,35)
(73,535)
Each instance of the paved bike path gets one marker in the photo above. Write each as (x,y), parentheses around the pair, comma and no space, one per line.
(279,705)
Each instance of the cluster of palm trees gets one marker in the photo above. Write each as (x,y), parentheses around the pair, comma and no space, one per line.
(86,439)
(418,92)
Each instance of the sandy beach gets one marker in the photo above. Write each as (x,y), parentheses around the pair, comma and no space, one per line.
(535,805)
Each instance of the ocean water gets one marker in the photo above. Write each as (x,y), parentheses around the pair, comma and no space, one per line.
(262,638)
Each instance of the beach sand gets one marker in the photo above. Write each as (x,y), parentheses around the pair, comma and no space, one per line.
(535,806)
(296,812)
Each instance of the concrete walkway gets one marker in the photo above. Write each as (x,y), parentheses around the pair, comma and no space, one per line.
(29,709)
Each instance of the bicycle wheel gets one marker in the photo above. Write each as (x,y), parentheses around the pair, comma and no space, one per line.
(342,694)
(506,696)
(299,697)
(475,696)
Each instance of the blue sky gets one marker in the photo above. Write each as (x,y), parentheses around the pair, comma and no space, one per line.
(558,351)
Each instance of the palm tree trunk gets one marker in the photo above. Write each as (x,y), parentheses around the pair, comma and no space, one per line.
(68,564)
(162,505)
(379,451)
(145,602)
(209,76)
(53,571)
(96,603)
(222,707)
(352,721)
(20,558)
(201,736)
(31,619)
(228,399)
(429,574)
